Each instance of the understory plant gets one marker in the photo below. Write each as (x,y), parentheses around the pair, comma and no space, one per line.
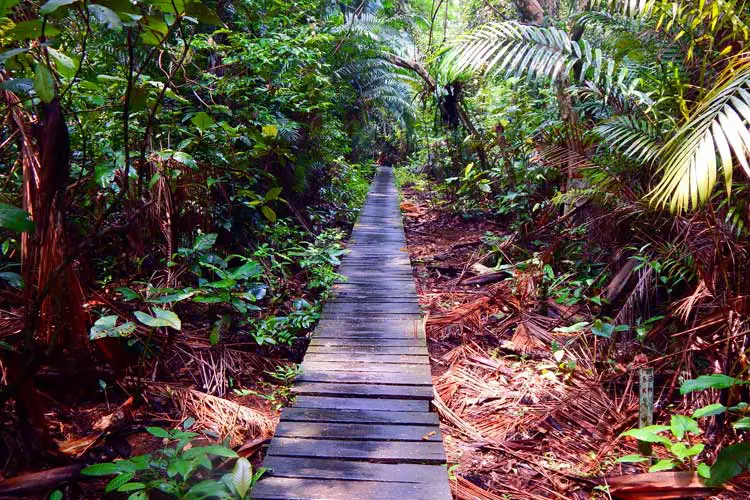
(181,469)
(683,448)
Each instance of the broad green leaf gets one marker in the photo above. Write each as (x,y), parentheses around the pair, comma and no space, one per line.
(577,327)
(118,481)
(10,54)
(715,381)
(202,121)
(682,451)
(680,424)
(742,424)
(158,432)
(217,450)
(731,462)
(273,194)
(15,219)
(242,476)
(52,5)
(155,30)
(105,469)
(135,486)
(106,326)
(268,213)
(26,30)
(601,329)
(17,86)
(704,470)
(202,13)
(185,159)
(709,411)
(168,6)
(204,241)
(65,65)
(663,465)
(56,495)
(161,318)
(128,293)
(44,83)
(270,131)
(208,488)
(6,5)
(647,435)
(106,16)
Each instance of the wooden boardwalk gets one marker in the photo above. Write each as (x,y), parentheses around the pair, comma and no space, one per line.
(361,426)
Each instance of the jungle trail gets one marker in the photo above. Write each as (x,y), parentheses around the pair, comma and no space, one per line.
(378,249)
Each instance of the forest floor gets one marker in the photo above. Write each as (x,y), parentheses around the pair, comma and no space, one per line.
(525,412)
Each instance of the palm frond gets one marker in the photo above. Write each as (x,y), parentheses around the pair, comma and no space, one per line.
(633,137)
(717,128)
(625,8)
(519,49)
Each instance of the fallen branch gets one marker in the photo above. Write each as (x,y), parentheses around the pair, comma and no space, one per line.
(39,481)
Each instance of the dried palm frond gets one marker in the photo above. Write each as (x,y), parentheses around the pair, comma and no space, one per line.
(638,301)
(222,417)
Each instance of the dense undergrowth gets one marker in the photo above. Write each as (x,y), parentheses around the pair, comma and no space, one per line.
(178,177)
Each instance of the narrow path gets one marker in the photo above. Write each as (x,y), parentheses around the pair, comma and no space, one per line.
(361,426)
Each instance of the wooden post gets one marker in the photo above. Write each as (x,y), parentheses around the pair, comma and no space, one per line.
(646,404)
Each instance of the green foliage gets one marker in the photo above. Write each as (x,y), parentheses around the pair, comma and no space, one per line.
(681,449)
(183,470)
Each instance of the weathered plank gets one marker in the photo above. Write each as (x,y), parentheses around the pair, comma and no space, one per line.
(379,404)
(402,451)
(366,378)
(366,349)
(274,488)
(367,390)
(370,432)
(353,366)
(368,358)
(358,416)
(366,342)
(320,468)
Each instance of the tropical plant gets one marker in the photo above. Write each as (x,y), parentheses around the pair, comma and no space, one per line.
(711,134)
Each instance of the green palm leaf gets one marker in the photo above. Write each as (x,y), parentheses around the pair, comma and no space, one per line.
(717,128)
(633,137)
(518,49)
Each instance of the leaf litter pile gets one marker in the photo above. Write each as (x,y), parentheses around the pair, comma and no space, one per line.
(526,413)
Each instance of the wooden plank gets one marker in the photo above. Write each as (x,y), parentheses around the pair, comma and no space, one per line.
(358,432)
(292,488)
(319,468)
(353,366)
(366,349)
(365,378)
(358,416)
(378,404)
(357,308)
(368,358)
(402,451)
(368,390)
(366,342)
(372,336)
